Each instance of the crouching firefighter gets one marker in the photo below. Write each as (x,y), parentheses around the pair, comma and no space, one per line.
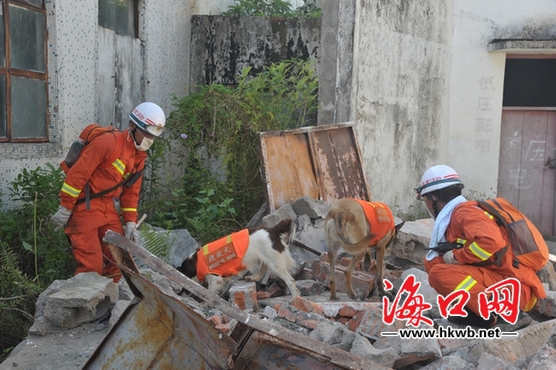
(467,252)
(108,169)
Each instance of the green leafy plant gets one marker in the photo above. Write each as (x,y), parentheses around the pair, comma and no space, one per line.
(273,8)
(213,134)
(43,252)
(18,294)
(269,8)
(155,242)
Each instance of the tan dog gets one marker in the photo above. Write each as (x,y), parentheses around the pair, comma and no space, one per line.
(358,227)
(255,249)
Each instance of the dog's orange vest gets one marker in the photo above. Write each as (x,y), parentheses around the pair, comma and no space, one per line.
(223,257)
(380,218)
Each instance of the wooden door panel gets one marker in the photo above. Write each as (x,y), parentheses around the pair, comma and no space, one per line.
(509,178)
(549,178)
(528,138)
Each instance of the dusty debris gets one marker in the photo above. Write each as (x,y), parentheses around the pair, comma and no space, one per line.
(353,328)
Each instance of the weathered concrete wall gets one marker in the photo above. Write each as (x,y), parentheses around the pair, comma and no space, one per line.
(477,82)
(336,61)
(221,47)
(400,93)
(77,85)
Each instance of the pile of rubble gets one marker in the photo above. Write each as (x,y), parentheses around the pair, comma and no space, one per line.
(353,326)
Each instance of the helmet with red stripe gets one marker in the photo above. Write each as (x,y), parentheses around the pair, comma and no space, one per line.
(148,117)
(436,178)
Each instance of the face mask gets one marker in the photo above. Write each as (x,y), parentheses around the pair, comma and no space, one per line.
(145,144)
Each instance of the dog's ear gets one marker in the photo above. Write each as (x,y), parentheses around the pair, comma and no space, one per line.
(189,266)
(284,231)
(288,231)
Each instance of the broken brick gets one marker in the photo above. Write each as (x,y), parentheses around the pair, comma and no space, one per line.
(305,305)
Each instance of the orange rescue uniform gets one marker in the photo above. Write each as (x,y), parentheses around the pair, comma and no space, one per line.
(481,238)
(103,163)
(223,257)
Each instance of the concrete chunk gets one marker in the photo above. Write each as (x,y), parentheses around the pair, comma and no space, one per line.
(85,298)
(333,333)
(362,347)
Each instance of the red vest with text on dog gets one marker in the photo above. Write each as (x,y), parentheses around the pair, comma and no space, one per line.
(223,257)
(380,217)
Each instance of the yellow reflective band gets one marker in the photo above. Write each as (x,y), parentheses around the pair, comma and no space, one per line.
(119,165)
(466,284)
(205,249)
(479,252)
(489,215)
(461,241)
(71,191)
(529,306)
(228,239)
(129,209)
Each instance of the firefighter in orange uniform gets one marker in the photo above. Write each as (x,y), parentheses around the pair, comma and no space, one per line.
(476,239)
(104,163)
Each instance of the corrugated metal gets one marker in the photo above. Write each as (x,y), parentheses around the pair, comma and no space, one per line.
(159,331)
(322,162)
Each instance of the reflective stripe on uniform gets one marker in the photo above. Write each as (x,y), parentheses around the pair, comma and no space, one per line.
(119,165)
(479,252)
(489,215)
(71,191)
(129,209)
(466,284)
(461,241)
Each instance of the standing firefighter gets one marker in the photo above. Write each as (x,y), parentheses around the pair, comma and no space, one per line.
(108,168)
(469,252)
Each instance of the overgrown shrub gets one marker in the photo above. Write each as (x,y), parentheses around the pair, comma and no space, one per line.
(32,254)
(43,252)
(213,135)
(273,8)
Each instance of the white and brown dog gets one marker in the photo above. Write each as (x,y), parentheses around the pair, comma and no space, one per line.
(358,226)
(255,249)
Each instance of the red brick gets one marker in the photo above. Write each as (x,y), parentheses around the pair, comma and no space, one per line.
(305,305)
(343,320)
(285,311)
(274,290)
(309,321)
(225,328)
(215,320)
(347,311)
(239,299)
(361,281)
(354,323)
(263,295)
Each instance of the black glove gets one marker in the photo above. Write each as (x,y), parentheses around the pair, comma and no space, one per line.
(444,247)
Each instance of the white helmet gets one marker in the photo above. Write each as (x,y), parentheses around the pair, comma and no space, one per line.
(148,117)
(436,178)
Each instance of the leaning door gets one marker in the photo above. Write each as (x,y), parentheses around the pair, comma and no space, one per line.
(527,171)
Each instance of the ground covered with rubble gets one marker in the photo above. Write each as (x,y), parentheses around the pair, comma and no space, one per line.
(74,316)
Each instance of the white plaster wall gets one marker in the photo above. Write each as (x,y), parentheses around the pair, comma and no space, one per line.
(476,83)
(71,87)
(73,71)
(400,93)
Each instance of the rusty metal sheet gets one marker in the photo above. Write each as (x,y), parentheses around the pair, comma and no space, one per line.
(161,332)
(322,162)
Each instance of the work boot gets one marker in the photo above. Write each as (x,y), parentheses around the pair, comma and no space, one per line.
(472,319)
(522,321)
